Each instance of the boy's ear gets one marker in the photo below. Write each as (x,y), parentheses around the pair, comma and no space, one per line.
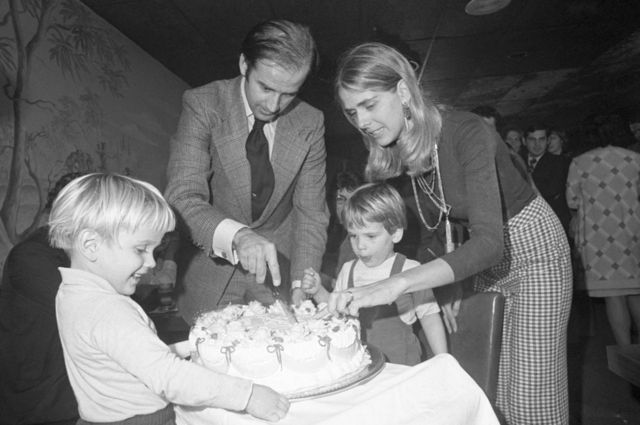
(397,235)
(88,244)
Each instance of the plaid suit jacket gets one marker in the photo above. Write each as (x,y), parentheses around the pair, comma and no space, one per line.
(209,180)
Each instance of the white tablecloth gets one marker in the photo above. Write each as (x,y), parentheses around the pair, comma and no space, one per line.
(435,392)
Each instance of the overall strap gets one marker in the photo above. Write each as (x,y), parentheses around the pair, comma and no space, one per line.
(350,279)
(398,264)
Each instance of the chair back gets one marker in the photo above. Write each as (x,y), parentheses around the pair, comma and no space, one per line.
(476,344)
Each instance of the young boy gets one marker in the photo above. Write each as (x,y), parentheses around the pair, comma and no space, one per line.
(375,218)
(120,371)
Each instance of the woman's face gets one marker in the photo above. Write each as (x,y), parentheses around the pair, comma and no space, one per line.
(555,144)
(378,114)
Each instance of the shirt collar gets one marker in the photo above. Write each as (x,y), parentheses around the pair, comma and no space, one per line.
(247,110)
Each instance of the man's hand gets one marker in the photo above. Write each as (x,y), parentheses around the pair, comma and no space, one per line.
(256,254)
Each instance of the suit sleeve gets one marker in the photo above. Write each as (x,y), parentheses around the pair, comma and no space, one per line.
(311,214)
(189,170)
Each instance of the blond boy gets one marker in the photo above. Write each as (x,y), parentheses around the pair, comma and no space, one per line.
(119,369)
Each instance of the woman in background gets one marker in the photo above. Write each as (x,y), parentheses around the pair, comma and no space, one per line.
(603,188)
(461,171)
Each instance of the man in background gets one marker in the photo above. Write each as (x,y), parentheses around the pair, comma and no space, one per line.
(548,172)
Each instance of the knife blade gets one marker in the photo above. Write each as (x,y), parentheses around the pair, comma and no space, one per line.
(279,299)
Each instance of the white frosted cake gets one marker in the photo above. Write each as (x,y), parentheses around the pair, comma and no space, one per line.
(271,347)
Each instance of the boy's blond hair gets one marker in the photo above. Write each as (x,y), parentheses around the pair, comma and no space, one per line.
(375,203)
(106,204)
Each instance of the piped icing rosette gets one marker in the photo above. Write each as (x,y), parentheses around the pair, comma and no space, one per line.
(266,345)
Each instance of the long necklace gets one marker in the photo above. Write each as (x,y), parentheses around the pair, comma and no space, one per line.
(429,189)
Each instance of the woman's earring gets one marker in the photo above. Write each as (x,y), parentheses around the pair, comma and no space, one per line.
(406,112)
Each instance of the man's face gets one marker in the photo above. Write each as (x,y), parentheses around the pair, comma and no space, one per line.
(270,88)
(537,142)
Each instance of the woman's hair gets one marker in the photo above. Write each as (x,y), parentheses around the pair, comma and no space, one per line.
(375,203)
(378,67)
(562,135)
(106,204)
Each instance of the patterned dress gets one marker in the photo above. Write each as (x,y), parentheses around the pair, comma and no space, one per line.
(604,186)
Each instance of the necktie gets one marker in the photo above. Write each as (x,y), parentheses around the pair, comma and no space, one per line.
(262,179)
(532,164)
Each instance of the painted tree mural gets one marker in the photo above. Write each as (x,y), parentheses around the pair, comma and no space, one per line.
(74,41)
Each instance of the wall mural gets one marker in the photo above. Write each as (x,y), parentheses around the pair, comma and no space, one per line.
(65,77)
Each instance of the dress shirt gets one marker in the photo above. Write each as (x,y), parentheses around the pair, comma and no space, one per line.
(533,160)
(117,365)
(222,244)
(410,306)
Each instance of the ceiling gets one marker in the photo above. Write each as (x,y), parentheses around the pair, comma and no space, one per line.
(549,60)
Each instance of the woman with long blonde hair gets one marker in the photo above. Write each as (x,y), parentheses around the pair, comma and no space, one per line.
(461,172)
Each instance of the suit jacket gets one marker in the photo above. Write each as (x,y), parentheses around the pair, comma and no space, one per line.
(209,180)
(550,177)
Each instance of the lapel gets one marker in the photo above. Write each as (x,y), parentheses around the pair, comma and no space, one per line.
(541,168)
(230,143)
(289,150)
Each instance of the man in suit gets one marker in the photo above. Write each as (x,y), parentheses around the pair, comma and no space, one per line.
(548,172)
(216,188)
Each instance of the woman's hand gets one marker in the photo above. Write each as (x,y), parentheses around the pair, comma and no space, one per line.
(350,301)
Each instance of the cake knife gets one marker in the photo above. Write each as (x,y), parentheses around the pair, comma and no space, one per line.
(279,299)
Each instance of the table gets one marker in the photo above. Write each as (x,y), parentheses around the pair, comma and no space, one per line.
(624,361)
(435,392)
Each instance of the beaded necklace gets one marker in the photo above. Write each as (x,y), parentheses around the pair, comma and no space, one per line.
(429,189)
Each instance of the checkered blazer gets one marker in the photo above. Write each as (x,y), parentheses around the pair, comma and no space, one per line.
(209,180)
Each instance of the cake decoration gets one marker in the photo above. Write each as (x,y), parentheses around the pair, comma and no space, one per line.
(267,345)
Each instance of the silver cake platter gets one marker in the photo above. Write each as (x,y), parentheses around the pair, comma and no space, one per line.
(354,379)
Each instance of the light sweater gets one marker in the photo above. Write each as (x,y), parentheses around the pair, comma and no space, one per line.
(117,365)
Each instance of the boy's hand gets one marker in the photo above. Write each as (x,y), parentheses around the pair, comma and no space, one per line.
(311,282)
(267,404)
(297,296)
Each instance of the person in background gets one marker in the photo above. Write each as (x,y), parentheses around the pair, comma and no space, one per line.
(120,371)
(512,136)
(462,171)
(603,189)
(346,183)
(489,114)
(34,388)
(634,128)
(557,142)
(247,175)
(375,218)
(493,118)
(548,172)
